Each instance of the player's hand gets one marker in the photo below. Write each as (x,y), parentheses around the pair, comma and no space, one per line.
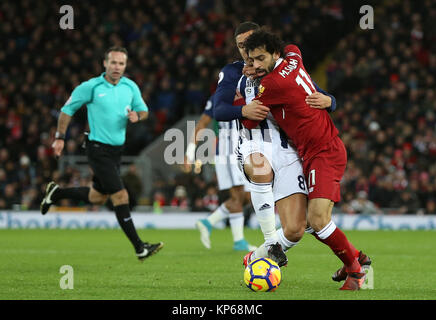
(255,110)
(58,146)
(318,100)
(133,116)
(249,71)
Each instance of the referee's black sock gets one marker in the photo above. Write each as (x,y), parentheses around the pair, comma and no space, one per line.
(125,220)
(79,194)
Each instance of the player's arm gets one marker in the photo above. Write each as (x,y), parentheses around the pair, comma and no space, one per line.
(321,100)
(223,108)
(139,110)
(202,123)
(80,96)
(59,142)
(268,96)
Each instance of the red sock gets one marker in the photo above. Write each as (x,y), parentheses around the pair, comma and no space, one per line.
(343,249)
(353,249)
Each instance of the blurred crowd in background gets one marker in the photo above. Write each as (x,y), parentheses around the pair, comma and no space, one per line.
(383,80)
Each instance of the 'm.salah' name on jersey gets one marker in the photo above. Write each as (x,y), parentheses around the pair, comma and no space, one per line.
(284,90)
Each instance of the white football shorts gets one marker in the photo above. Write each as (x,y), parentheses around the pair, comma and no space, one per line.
(283,158)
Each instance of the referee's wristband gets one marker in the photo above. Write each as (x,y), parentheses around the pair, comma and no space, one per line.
(139,116)
(59,135)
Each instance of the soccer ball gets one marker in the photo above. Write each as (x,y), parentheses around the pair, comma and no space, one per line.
(262,274)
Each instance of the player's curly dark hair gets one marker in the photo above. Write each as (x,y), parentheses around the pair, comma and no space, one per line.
(263,38)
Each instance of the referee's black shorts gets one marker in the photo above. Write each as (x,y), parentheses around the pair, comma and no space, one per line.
(105,161)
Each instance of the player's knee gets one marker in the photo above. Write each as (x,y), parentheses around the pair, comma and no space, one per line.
(233,205)
(96,197)
(237,195)
(317,221)
(120,197)
(258,169)
(100,200)
(318,215)
(294,233)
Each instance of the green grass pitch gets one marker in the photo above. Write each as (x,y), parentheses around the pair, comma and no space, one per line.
(105,266)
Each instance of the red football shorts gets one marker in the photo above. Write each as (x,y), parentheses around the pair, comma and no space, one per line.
(324,171)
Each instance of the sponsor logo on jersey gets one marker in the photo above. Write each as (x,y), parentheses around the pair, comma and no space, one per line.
(208,105)
(220,77)
(261,90)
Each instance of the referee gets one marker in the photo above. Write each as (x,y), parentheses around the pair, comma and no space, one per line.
(112,100)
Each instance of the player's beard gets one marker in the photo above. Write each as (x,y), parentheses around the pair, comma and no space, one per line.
(271,66)
(263,72)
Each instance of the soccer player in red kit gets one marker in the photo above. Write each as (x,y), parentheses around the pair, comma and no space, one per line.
(284,88)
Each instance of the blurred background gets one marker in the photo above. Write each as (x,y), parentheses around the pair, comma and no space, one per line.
(383,80)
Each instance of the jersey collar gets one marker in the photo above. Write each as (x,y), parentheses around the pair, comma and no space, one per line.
(279,60)
(108,83)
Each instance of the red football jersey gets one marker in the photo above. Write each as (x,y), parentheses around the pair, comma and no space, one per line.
(284,90)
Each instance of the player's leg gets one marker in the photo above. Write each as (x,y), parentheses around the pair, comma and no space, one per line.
(120,201)
(98,161)
(290,193)
(258,170)
(87,195)
(229,178)
(96,197)
(205,226)
(225,182)
(260,175)
(232,208)
(105,162)
(236,218)
(53,194)
(319,217)
(323,173)
(256,156)
(292,212)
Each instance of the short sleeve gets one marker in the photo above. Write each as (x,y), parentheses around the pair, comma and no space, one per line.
(208,109)
(80,96)
(291,50)
(138,103)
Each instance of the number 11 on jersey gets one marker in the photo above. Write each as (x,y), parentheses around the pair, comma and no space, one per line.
(301,81)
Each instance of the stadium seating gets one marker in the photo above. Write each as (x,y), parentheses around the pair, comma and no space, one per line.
(383,80)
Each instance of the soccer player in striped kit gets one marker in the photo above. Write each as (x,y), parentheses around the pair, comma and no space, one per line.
(279,181)
(229,178)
